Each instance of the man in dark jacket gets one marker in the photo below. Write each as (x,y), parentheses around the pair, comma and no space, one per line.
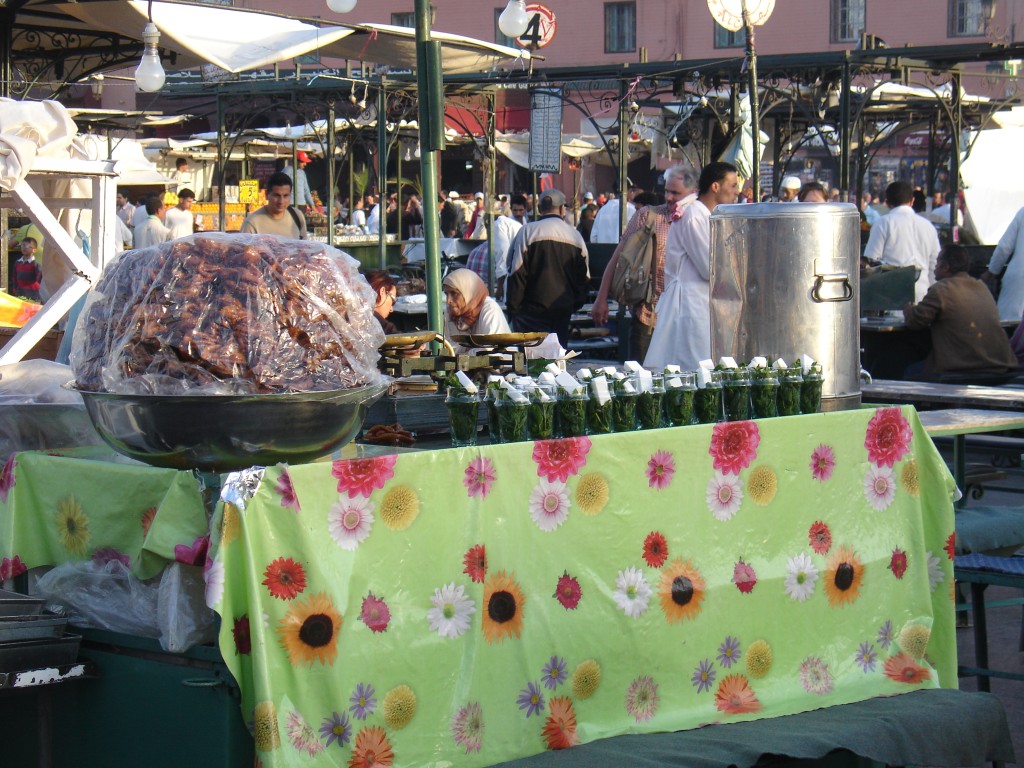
(964,322)
(549,272)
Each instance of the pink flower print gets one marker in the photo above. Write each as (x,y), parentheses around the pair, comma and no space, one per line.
(284,487)
(888,437)
(734,446)
(194,555)
(479,477)
(823,461)
(660,468)
(744,577)
(557,459)
(11,567)
(361,477)
(7,478)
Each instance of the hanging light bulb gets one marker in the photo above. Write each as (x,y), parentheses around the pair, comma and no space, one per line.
(149,75)
(408,154)
(362,101)
(513,19)
(352,94)
(341,6)
(417,152)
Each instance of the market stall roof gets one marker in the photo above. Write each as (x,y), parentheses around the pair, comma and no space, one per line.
(74,39)
(88,117)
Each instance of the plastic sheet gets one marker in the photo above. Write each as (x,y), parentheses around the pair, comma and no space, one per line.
(39,413)
(107,595)
(228,314)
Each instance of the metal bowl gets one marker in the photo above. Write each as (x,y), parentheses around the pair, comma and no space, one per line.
(223,433)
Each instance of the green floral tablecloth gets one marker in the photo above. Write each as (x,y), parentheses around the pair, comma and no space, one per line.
(77,505)
(465,607)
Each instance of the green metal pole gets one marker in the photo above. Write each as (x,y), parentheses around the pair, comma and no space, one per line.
(331,180)
(755,106)
(624,114)
(428,78)
(222,163)
(382,175)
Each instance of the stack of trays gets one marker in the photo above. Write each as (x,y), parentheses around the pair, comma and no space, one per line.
(31,638)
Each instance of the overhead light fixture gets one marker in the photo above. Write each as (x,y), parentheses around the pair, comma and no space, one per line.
(352,93)
(513,20)
(341,6)
(362,101)
(149,75)
(408,153)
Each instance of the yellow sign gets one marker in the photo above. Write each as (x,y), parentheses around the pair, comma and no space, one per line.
(249,191)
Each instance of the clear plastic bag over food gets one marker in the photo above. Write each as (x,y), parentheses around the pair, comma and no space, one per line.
(220,313)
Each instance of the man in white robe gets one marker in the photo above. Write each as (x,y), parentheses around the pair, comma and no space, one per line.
(682,333)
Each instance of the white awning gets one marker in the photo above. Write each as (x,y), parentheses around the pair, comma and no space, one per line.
(238,40)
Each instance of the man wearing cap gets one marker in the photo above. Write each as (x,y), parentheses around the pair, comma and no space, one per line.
(790,189)
(451,215)
(476,220)
(549,273)
(301,193)
(179,219)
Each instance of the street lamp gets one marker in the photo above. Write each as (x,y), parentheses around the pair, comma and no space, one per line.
(513,20)
(341,6)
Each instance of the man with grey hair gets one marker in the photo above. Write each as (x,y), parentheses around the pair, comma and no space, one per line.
(680,191)
(549,272)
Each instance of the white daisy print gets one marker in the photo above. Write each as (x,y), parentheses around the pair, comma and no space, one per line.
(724,495)
(632,592)
(549,504)
(935,574)
(452,608)
(801,576)
(349,521)
(880,487)
(214,584)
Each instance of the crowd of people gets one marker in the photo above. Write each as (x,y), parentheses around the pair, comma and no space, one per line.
(541,268)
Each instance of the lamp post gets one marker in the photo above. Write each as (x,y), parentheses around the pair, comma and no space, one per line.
(746,14)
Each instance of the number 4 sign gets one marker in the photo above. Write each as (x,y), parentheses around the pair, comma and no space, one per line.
(541,28)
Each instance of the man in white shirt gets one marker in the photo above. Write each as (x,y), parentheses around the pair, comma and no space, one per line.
(179,219)
(301,193)
(904,239)
(125,209)
(152,231)
(140,214)
(606,223)
(682,335)
(373,217)
(182,175)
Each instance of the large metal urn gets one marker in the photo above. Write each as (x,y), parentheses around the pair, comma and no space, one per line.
(785,282)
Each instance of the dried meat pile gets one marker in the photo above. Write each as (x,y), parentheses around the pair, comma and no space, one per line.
(228,314)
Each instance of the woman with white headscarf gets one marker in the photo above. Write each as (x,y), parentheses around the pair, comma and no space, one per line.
(469,309)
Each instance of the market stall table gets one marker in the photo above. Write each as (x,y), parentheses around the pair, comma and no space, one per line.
(435,605)
(946,395)
(960,422)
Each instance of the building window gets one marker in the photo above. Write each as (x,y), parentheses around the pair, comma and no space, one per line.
(725,38)
(619,27)
(500,37)
(403,19)
(967,17)
(848,18)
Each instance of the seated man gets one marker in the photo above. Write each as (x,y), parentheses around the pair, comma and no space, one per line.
(964,322)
